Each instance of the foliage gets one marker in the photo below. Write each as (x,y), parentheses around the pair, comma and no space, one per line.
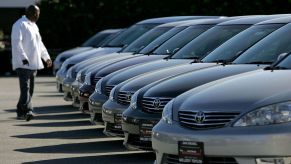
(67,23)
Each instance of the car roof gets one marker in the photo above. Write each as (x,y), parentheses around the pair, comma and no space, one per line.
(207,21)
(173,24)
(112,30)
(251,19)
(162,20)
(285,19)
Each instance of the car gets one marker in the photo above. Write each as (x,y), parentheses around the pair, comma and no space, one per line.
(165,90)
(96,40)
(121,40)
(167,48)
(158,34)
(140,42)
(125,88)
(242,119)
(195,49)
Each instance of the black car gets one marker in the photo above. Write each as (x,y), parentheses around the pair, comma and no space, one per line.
(168,48)
(148,102)
(192,52)
(124,38)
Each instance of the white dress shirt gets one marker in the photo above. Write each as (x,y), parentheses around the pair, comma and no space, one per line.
(27,44)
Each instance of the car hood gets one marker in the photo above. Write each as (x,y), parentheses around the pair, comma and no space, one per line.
(91,53)
(68,53)
(100,59)
(172,87)
(128,62)
(125,74)
(138,82)
(241,93)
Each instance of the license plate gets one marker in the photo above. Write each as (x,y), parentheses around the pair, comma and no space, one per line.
(145,130)
(190,152)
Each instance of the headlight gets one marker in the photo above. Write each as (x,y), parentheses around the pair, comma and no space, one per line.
(78,77)
(111,95)
(271,114)
(98,87)
(167,114)
(88,78)
(133,100)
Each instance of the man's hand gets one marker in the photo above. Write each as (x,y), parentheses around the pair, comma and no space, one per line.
(25,62)
(49,63)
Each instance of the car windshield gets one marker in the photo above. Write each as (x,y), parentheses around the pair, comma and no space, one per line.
(95,40)
(129,35)
(268,49)
(145,39)
(161,39)
(232,48)
(284,64)
(205,43)
(182,38)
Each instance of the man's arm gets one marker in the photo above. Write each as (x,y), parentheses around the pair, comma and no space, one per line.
(45,55)
(16,40)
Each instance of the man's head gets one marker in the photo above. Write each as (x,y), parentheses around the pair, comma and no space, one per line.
(32,13)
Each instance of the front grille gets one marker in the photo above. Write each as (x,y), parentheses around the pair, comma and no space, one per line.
(82,78)
(94,80)
(74,74)
(174,159)
(205,119)
(124,97)
(154,104)
(108,89)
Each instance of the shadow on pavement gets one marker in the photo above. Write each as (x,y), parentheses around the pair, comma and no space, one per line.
(79,148)
(57,124)
(54,109)
(62,116)
(71,134)
(141,158)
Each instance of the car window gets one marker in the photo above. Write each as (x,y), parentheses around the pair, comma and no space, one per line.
(286,63)
(268,49)
(229,50)
(129,35)
(95,40)
(161,39)
(145,39)
(182,38)
(208,41)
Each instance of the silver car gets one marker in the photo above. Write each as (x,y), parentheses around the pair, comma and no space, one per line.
(243,119)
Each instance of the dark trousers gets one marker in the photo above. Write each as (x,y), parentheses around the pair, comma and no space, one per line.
(26,83)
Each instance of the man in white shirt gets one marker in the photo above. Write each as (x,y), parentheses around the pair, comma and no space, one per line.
(27,52)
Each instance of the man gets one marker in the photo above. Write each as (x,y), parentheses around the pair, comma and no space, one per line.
(27,52)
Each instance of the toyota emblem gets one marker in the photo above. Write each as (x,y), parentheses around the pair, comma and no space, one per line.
(157,103)
(128,96)
(199,117)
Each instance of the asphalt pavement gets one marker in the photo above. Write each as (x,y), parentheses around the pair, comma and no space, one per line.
(59,134)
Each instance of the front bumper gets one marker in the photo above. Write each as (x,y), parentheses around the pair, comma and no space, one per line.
(59,81)
(84,92)
(112,116)
(95,107)
(137,127)
(244,144)
(67,83)
(75,93)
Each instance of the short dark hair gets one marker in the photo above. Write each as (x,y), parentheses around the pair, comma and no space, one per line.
(31,10)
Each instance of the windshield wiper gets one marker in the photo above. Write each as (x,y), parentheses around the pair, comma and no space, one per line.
(259,62)
(196,59)
(223,62)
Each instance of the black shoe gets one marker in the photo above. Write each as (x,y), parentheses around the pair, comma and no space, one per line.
(29,116)
(20,117)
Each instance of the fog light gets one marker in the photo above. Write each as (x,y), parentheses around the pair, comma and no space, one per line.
(279,160)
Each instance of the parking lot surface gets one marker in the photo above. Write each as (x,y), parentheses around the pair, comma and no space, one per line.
(58,134)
